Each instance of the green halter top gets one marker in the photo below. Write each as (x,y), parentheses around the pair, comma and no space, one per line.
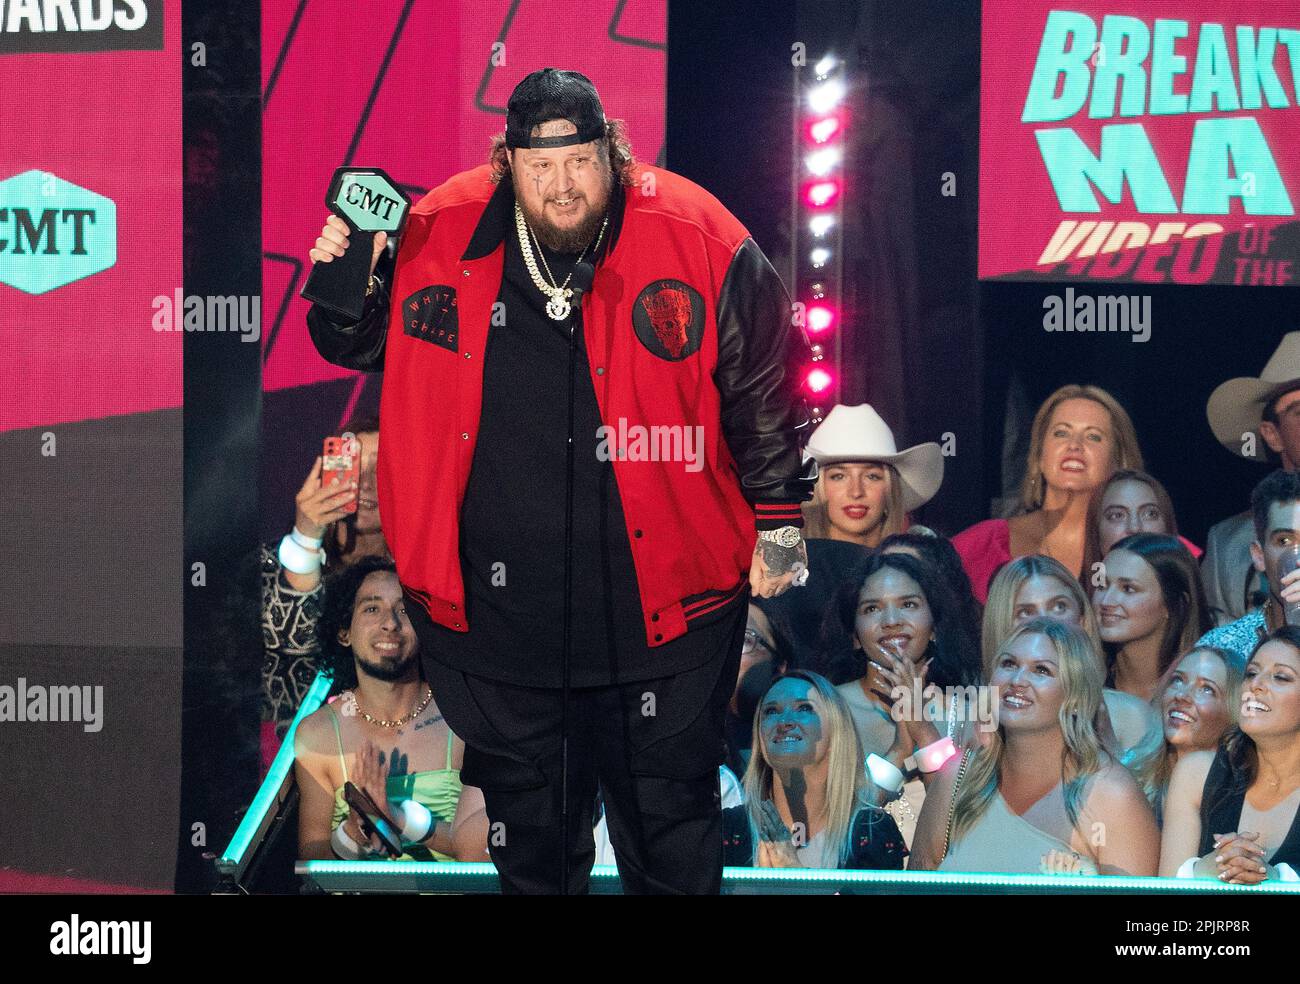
(437,789)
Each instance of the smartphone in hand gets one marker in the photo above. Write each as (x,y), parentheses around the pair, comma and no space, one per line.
(341,459)
(373,819)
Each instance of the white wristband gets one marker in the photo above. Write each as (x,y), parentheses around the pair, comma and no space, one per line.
(344,846)
(297,558)
(417,821)
(310,542)
(885,774)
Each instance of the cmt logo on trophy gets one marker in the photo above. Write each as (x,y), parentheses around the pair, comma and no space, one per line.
(53,232)
(360,202)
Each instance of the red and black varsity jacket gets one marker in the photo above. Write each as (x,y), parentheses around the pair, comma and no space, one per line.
(686,324)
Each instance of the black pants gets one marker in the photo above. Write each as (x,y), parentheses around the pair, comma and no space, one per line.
(653,748)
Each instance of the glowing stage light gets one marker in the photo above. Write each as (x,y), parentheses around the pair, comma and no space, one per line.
(824,67)
(819,380)
(819,256)
(826,96)
(821,193)
(820,162)
(820,318)
(819,225)
(822,130)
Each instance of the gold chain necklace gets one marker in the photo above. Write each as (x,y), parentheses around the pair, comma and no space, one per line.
(401,720)
(557,307)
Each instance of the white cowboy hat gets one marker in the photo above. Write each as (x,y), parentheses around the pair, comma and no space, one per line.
(1237,406)
(859,434)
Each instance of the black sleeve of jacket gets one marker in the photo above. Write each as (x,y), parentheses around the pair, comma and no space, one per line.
(356,345)
(760,352)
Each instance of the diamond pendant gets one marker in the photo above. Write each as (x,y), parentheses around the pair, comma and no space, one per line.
(557,308)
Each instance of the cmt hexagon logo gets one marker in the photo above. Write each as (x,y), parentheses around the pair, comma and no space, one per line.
(53,232)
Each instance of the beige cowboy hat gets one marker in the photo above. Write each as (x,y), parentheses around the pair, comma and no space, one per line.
(859,434)
(1237,406)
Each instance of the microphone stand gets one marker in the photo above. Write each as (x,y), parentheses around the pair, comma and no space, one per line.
(581,279)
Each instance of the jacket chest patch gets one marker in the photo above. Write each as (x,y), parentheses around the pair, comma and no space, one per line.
(430,315)
(668,318)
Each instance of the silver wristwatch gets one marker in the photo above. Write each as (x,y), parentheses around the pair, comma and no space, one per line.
(786,536)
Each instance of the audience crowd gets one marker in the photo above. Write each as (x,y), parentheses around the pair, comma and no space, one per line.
(1065,690)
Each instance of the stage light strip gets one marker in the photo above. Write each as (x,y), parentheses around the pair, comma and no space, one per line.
(372,875)
(268,793)
(818,207)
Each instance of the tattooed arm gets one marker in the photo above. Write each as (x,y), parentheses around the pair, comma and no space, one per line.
(775,567)
(763,413)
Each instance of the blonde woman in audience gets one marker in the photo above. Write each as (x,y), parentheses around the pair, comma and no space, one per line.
(804,789)
(865,486)
(1197,704)
(1042,794)
(1033,586)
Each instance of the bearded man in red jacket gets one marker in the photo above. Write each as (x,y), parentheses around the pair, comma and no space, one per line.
(589,404)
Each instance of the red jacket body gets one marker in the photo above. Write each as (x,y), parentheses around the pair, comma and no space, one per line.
(691,526)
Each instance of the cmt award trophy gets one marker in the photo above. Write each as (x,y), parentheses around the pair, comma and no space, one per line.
(369,201)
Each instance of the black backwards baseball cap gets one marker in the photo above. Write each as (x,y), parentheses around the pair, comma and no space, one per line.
(554,94)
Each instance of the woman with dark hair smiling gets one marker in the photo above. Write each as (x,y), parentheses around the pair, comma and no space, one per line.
(1234,813)
(804,803)
(892,632)
(1151,610)
(937,551)
(1032,798)
(897,624)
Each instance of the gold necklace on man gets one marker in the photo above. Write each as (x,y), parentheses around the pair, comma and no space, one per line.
(404,719)
(557,307)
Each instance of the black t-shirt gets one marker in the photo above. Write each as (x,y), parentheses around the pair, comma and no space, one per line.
(512,517)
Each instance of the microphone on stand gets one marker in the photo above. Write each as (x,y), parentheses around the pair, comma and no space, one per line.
(580,282)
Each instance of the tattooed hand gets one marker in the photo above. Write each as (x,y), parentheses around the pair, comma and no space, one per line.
(774,567)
